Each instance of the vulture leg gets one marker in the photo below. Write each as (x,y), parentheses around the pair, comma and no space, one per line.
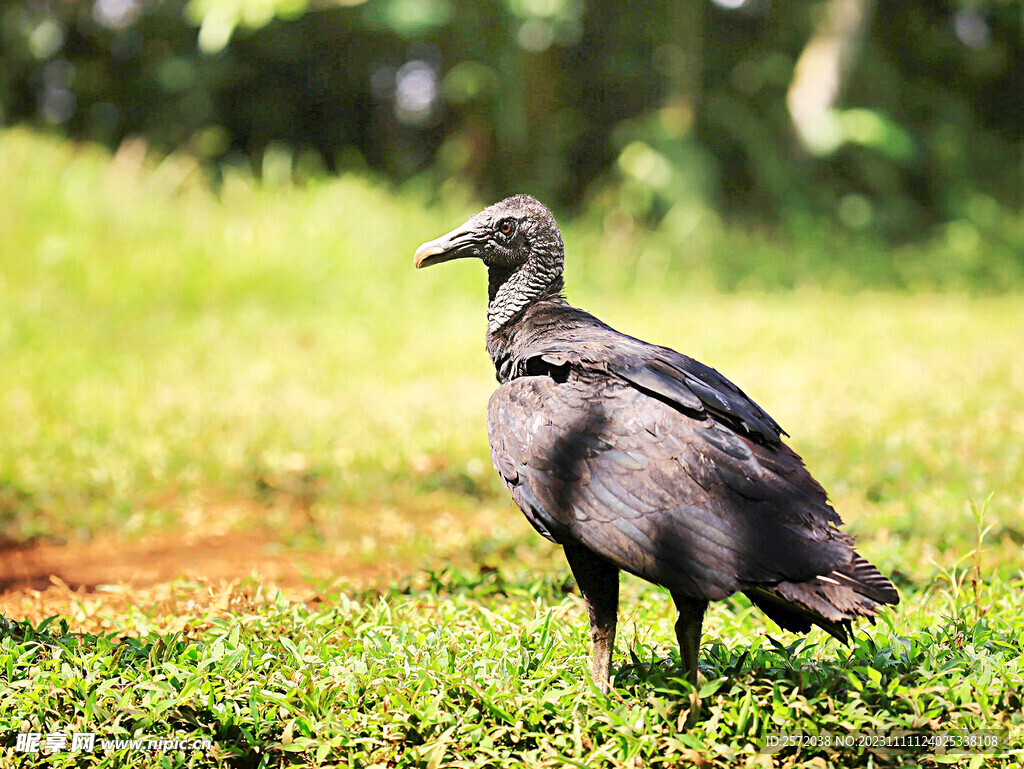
(688,630)
(599,583)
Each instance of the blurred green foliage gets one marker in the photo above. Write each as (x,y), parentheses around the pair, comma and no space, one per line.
(266,352)
(671,115)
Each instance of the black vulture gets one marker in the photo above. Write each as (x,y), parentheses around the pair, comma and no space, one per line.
(632,456)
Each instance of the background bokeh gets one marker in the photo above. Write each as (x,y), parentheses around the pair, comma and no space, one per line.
(881,141)
(245,486)
(210,208)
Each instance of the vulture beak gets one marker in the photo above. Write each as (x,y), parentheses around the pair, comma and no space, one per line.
(457,244)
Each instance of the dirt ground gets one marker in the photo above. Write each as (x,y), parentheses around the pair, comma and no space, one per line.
(166,579)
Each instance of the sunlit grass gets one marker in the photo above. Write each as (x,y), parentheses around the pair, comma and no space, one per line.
(165,345)
(169,352)
(469,669)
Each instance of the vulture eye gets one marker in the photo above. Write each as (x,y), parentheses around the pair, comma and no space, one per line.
(507,226)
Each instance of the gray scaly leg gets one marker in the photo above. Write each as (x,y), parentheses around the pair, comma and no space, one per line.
(688,631)
(599,583)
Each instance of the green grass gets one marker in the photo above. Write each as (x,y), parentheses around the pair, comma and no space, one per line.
(470,669)
(170,354)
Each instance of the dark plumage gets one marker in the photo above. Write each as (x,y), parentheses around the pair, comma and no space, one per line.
(632,456)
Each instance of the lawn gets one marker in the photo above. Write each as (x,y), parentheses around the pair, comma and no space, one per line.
(189,364)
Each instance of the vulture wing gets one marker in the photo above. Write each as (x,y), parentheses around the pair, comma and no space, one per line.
(560,335)
(674,499)
(666,469)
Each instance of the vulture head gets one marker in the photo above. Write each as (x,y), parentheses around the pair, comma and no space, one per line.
(519,242)
(507,236)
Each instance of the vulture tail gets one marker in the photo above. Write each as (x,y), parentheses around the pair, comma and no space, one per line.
(830,601)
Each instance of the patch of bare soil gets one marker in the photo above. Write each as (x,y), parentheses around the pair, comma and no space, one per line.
(166,579)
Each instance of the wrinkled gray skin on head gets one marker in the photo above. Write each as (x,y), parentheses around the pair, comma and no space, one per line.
(519,241)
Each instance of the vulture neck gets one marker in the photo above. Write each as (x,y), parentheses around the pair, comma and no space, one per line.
(513,290)
(516,298)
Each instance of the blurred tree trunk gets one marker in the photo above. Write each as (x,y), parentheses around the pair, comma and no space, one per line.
(540,153)
(823,69)
(686,32)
